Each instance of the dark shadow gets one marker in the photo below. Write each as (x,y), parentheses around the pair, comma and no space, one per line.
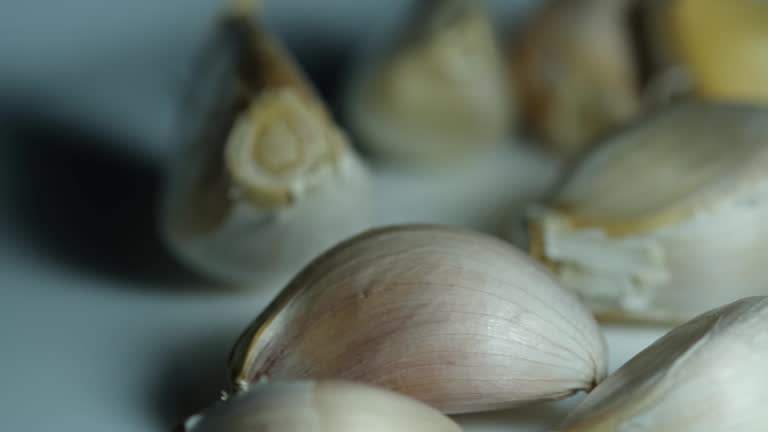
(77,197)
(192,378)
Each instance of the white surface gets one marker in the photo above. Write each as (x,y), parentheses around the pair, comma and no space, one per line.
(86,346)
(91,351)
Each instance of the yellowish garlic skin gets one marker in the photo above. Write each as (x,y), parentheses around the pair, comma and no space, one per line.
(440,93)
(576,73)
(657,220)
(267,180)
(319,406)
(280,146)
(451,317)
(719,44)
(707,375)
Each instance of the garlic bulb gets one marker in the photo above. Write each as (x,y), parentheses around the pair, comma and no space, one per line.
(714,48)
(268,180)
(576,72)
(655,221)
(439,94)
(325,406)
(707,375)
(448,316)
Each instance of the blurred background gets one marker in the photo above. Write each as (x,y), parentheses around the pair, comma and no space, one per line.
(120,66)
(101,328)
(91,97)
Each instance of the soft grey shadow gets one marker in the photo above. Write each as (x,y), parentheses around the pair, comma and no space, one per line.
(192,378)
(81,199)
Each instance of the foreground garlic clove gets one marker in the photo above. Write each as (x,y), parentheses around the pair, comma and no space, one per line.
(323,406)
(439,94)
(576,72)
(655,222)
(448,316)
(714,48)
(706,375)
(268,180)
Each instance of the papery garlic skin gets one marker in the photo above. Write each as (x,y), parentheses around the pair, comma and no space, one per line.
(268,180)
(706,375)
(657,220)
(576,72)
(439,94)
(719,47)
(324,406)
(256,247)
(448,316)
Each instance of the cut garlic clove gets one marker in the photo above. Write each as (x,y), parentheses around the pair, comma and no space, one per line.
(268,180)
(657,220)
(448,316)
(324,406)
(707,375)
(576,72)
(717,46)
(440,93)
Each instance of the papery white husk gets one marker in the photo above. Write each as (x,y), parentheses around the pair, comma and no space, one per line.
(707,375)
(324,406)
(448,316)
(699,242)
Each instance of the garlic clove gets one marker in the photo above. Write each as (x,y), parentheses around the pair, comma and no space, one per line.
(656,220)
(268,180)
(576,72)
(454,318)
(438,92)
(324,406)
(718,47)
(706,375)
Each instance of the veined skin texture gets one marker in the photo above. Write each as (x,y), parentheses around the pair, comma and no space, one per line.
(457,319)
(707,375)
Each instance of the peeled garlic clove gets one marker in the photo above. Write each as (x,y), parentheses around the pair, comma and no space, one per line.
(323,406)
(657,220)
(268,180)
(576,72)
(440,93)
(706,375)
(719,47)
(448,316)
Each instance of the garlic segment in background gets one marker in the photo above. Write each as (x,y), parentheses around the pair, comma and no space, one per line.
(324,406)
(667,219)
(707,375)
(455,318)
(439,93)
(714,48)
(576,72)
(268,180)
